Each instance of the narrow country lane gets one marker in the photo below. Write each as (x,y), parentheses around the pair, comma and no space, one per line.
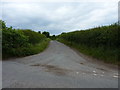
(58,66)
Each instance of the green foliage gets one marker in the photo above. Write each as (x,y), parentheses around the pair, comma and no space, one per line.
(12,39)
(33,36)
(21,42)
(39,32)
(47,34)
(101,36)
(101,42)
(53,37)
(2,25)
(26,51)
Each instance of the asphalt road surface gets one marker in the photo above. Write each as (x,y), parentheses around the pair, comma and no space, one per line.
(58,67)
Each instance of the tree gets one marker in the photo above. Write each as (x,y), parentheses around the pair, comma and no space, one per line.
(2,25)
(39,32)
(53,37)
(47,34)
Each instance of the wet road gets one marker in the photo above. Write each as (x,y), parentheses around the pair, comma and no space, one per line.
(58,67)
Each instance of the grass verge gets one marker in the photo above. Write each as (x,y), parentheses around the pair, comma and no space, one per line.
(108,55)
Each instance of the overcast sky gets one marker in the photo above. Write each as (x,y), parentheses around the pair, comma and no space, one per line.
(58,17)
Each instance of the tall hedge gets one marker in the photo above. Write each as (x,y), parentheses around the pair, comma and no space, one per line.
(17,42)
(34,37)
(106,36)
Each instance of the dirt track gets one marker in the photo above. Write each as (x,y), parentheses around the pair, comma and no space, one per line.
(57,67)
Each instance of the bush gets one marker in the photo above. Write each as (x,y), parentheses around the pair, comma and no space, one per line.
(12,39)
(34,37)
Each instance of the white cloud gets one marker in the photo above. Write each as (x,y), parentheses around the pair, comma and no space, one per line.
(60,0)
(59,17)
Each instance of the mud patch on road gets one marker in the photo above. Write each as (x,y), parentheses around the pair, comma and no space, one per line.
(54,69)
(82,63)
(101,69)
